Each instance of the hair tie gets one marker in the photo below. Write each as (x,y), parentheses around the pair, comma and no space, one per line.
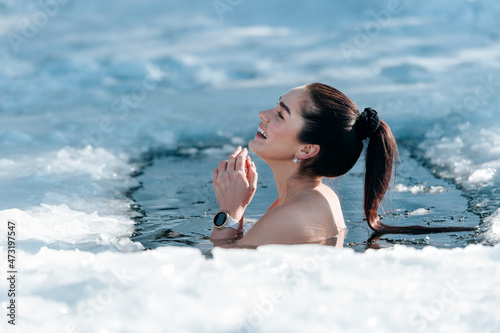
(367,123)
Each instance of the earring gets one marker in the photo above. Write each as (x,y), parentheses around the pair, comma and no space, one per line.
(296,160)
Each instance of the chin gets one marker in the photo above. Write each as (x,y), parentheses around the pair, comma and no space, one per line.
(253,147)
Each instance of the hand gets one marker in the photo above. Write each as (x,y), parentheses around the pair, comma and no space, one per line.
(235,182)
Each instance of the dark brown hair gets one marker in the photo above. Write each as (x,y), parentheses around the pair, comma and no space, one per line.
(330,118)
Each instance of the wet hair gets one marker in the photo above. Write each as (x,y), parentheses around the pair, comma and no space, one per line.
(330,121)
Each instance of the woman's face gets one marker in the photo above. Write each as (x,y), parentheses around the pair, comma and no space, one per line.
(276,138)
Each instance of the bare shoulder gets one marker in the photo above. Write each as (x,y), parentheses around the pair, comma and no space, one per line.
(308,218)
(280,225)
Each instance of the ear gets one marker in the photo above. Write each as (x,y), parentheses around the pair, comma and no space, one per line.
(307,151)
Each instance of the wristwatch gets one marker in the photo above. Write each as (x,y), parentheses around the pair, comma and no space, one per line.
(223,220)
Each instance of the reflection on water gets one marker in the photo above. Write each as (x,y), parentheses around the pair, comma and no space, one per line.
(336,241)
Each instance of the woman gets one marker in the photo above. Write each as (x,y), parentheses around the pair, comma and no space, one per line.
(315,131)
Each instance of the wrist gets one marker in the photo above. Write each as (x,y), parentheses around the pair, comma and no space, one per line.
(236,214)
(223,220)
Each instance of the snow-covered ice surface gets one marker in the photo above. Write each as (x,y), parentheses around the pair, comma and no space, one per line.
(304,288)
(90,89)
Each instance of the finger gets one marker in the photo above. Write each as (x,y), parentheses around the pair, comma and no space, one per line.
(222,166)
(215,175)
(235,152)
(231,161)
(248,165)
(241,160)
(243,153)
(253,176)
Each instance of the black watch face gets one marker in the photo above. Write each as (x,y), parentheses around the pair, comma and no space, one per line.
(219,219)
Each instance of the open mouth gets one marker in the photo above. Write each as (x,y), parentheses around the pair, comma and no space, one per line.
(261,133)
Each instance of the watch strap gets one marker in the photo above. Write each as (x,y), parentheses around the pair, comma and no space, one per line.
(232,223)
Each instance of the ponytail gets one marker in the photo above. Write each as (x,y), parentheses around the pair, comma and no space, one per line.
(380,157)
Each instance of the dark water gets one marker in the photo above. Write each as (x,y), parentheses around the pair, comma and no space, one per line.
(178,203)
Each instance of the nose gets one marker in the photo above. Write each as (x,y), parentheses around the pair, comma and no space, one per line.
(264,115)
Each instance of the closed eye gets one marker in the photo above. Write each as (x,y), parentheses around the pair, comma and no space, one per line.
(280,115)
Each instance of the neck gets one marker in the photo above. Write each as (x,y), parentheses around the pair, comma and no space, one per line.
(288,181)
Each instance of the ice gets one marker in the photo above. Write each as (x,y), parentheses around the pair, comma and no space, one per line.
(493,223)
(59,225)
(482,175)
(224,150)
(271,289)
(419,188)
(470,158)
(420,211)
(70,198)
